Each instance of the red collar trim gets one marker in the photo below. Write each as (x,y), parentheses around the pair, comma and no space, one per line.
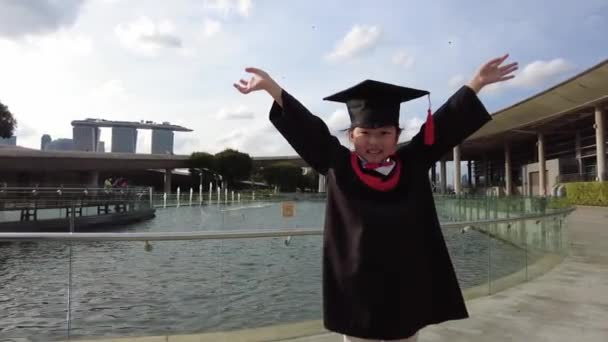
(375,182)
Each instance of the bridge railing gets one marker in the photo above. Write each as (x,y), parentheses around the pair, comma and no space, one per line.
(32,204)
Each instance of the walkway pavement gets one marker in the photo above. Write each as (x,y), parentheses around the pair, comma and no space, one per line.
(569,303)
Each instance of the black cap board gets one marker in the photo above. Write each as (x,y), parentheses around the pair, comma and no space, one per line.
(373,104)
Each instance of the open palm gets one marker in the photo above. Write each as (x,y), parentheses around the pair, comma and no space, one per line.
(260,80)
(492,72)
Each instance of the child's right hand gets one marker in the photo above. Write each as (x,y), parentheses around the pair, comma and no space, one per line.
(260,81)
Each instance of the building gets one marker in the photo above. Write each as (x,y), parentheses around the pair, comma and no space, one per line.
(124,139)
(162,141)
(45,140)
(60,145)
(85,138)
(12,141)
(553,137)
(124,135)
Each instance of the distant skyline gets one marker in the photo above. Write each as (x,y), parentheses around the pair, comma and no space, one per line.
(176,61)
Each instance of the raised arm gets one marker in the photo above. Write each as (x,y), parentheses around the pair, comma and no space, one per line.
(462,115)
(305,132)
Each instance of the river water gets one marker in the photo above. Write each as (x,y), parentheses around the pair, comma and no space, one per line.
(181,287)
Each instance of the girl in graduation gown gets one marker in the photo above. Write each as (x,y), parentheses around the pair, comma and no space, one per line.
(386,269)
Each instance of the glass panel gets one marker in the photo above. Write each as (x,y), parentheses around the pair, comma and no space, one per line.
(468,249)
(507,256)
(546,248)
(140,289)
(34,283)
(273,215)
(197,287)
(273,284)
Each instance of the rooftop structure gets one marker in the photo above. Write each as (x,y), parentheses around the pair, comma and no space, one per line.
(124,135)
(130,124)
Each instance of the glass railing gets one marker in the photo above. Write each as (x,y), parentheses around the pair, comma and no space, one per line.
(474,208)
(242,271)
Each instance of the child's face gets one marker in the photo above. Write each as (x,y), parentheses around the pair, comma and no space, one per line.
(374,144)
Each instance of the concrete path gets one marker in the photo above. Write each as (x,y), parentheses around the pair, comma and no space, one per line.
(569,303)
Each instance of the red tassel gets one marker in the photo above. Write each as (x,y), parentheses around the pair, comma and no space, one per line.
(429,127)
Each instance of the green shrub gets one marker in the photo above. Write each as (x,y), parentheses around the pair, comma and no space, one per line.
(587,193)
(558,203)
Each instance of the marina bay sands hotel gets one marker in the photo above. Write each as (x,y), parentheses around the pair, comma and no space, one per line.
(124,135)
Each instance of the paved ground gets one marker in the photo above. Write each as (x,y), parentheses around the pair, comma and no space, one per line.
(569,303)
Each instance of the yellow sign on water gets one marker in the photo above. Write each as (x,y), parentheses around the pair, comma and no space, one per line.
(288,209)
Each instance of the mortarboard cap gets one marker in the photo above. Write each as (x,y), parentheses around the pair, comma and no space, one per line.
(373,104)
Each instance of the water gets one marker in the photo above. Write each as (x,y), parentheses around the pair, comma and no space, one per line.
(180,287)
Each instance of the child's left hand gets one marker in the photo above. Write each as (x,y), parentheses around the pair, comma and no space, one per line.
(492,72)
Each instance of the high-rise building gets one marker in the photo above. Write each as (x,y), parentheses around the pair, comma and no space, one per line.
(45,140)
(101,147)
(12,141)
(61,145)
(85,138)
(124,139)
(162,141)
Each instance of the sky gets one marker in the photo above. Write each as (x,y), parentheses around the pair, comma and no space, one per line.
(176,61)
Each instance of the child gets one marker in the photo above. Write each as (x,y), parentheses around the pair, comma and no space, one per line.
(386,269)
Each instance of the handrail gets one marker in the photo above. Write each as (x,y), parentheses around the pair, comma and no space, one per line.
(72,188)
(224,235)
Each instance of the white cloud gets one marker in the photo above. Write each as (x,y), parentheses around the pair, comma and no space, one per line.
(538,72)
(411,128)
(225,7)
(211,27)
(185,144)
(61,44)
(359,39)
(261,140)
(494,88)
(533,75)
(25,131)
(455,81)
(231,139)
(403,58)
(148,37)
(111,90)
(238,113)
(24,18)
(42,82)
(338,120)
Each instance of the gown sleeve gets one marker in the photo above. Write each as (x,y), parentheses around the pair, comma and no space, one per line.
(455,120)
(306,133)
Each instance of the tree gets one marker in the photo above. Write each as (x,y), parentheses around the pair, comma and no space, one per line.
(287,176)
(308,181)
(202,161)
(233,165)
(7,122)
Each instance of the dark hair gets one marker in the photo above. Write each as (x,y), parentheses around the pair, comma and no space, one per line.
(350,129)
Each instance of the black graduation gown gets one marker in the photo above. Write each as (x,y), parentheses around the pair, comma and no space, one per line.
(386,269)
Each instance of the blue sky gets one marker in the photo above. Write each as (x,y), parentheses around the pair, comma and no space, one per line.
(176,60)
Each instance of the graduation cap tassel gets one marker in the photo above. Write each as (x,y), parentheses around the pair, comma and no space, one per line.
(429,127)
